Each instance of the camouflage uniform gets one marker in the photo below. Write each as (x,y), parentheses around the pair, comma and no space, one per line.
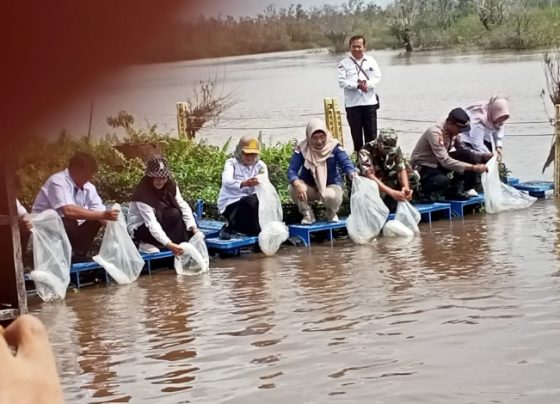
(385,158)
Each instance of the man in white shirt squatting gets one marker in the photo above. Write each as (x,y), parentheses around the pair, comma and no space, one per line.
(76,200)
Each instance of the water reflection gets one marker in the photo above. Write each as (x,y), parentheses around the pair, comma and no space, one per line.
(466,312)
(169,348)
(462,253)
(62,322)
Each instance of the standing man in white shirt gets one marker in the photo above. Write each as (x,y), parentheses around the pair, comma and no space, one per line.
(76,200)
(358,74)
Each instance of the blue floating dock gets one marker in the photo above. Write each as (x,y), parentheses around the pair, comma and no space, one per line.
(303,231)
(149,257)
(535,188)
(78,268)
(458,207)
(426,210)
(210,228)
(230,247)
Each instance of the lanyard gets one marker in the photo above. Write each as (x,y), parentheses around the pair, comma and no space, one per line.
(359,66)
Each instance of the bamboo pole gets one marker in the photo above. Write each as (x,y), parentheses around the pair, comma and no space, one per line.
(333,119)
(182,121)
(557,153)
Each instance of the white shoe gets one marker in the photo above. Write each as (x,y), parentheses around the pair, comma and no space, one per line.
(333,218)
(472,192)
(147,248)
(308,217)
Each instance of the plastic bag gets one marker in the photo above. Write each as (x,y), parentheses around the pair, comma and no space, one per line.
(499,196)
(195,258)
(368,211)
(396,228)
(52,254)
(118,255)
(273,230)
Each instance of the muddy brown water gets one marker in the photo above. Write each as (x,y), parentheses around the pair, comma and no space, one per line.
(278,93)
(468,312)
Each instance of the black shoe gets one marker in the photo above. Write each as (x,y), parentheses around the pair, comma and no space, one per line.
(460,196)
(423,201)
(225,233)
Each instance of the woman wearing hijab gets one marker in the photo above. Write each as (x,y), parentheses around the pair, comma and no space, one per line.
(487,126)
(484,138)
(237,201)
(158,215)
(313,173)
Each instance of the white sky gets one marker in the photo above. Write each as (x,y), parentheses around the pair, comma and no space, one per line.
(239,8)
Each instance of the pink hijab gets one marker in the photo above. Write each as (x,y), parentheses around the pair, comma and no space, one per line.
(487,113)
(316,159)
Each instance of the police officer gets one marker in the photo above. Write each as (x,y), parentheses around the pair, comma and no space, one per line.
(432,160)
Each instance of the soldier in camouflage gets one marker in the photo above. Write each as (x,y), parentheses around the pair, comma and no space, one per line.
(381,160)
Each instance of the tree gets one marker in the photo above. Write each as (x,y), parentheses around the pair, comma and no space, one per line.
(521,16)
(491,12)
(335,27)
(551,65)
(404,16)
(208,102)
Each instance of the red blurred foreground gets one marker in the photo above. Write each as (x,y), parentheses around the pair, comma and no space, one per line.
(51,50)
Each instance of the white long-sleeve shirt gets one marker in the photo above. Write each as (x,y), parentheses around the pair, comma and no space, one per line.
(480,133)
(140,213)
(234,173)
(348,76)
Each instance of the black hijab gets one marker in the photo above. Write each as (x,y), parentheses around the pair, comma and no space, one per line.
(159,199)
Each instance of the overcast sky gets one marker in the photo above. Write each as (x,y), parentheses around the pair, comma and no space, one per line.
(238,8)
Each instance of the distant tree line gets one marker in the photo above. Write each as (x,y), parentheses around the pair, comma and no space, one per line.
(406,24)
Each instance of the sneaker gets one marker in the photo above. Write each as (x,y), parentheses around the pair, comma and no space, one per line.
(472,193)
(308,217)
(333,218)
(147,248)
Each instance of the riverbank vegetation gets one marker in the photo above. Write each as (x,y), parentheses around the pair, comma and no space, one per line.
(196,166)
(402,24)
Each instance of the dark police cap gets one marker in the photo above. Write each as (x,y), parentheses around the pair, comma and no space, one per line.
(460,118)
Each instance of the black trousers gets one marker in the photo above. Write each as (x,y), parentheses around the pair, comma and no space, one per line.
(243,216)
(171,221)
(81,237)
(363,124)
(434,181)
(24,235)
(465,153)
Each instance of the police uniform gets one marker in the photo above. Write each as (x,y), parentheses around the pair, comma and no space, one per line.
(431,158)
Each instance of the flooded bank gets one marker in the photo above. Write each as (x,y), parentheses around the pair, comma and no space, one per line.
(466,313)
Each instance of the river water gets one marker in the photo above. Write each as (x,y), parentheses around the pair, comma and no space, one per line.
(468,312)
(278,93)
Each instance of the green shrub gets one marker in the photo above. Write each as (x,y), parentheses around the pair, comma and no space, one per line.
(197,167)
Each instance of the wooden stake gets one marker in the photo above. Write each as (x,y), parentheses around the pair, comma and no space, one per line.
(557,153)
